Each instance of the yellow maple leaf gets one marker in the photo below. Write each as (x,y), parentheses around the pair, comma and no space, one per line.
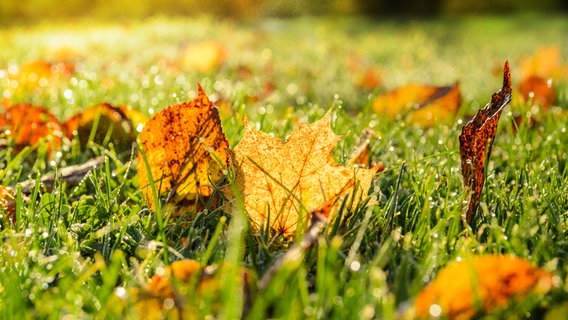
(281,181)
(482,283)
(186,150)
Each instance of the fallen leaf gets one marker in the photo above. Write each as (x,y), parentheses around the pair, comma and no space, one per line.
(204,56)
(538,91)
(423,105)
(183,286)
(480,284)
(476,141)
(365,75)
(280,182)
(186,150)
(370,79)
(545,63)
(539,75)
(31,75)
(102,123)
(28,124)
(161,284)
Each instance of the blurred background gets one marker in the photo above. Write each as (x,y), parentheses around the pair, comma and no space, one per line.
(17,11)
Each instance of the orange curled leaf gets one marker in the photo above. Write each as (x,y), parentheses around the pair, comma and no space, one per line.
(480,284)
(420,104)
(186,149)
(282,181)
(476,141)
(28,124)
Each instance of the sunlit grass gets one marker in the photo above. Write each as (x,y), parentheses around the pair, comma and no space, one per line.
(79,250)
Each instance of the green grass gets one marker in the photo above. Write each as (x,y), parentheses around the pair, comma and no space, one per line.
(74,251)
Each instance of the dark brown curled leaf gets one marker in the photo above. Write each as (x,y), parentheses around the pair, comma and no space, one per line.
(476,141)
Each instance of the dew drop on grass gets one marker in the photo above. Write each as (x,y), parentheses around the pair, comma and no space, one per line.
(68,94)
(44,235)
(292,89)
(459,259)
(338,301)
(158,80)
(368,312)
(355,266)
(169,304)
(435,310)
(266,53)
(120,292)
(28,232)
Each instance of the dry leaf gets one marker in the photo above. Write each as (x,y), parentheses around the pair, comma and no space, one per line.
(28,124)
(424,105)
(112,125)
(181,287)
(476,141)
(204,56)
(282,181)
(480,284)
(370,79)
(187,151)
(34,74)
(537,91)
(545,63)
(540,73)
